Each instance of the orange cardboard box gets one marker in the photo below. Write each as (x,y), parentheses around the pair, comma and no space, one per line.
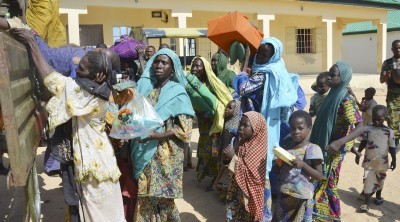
(234,26)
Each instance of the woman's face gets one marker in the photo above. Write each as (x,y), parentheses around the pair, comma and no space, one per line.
(83,69)
(245,130)
(299,129)
(162,67)
(198,69)
(214,62)
(333,79)
(125,71)
(264,54)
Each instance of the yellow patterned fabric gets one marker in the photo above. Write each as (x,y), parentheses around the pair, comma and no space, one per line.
(93,154)
(43,17)
(221,92)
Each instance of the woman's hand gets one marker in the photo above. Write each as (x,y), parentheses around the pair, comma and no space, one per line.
(23,35)
(229,152)
(139,49)
(153,136)
(100,77)
(298,163)
(334,147)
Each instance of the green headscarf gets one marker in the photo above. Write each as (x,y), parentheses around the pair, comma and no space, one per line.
(172,101)
(326,119)
(223,73)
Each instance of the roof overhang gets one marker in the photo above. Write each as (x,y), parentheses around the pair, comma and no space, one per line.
(388,4)
(175,32)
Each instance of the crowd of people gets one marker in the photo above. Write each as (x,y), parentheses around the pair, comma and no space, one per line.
(250,114)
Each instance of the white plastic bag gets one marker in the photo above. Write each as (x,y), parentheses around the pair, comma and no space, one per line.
(135,119)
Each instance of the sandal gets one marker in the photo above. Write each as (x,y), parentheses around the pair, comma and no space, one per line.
(378,201)
(364,208)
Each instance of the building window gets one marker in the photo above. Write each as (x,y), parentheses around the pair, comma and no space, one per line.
(191,47)
(120,30)
(305,41)
(172,44)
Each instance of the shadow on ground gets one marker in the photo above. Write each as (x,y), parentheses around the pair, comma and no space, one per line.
(194,194)
(388,209)
(12,200)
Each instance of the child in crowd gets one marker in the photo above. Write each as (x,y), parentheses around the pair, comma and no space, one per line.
(379,142)
(232,117)
(296,190)
(322,90)
(367,104)
(245,198)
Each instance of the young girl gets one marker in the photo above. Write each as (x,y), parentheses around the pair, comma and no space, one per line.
(379,140)
(245,198)
(232,117)
(296,191)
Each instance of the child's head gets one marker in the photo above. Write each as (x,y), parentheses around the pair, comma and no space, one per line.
(300,125)
(245,129)
(322,86)
(230,109)
(369,93)
(252,126)
(379,115)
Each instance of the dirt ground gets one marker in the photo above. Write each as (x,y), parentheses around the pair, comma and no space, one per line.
(198,205)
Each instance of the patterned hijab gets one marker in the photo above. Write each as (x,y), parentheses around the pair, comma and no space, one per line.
(231,125)
(233,122)
(250,167)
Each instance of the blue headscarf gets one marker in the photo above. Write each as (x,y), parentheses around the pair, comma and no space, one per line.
(173,101)
(281,83)
(326,119)
(280,93)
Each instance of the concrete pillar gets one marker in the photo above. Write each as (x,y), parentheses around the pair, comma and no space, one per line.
(266,26)
(327,51)
(382,42)
(73,23)
(181,24)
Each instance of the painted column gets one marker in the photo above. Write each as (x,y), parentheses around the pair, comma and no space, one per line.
(73,24)
(382,42)
(266,26)
(327,51)
(181,24)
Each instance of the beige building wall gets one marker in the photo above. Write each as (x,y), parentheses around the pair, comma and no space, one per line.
(286,15)
(110,17)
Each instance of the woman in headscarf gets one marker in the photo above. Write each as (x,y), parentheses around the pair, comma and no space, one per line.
(158,159)
(270,90)
(84,100)
(333,128)
(219,64)
(209,126)
(245,200)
